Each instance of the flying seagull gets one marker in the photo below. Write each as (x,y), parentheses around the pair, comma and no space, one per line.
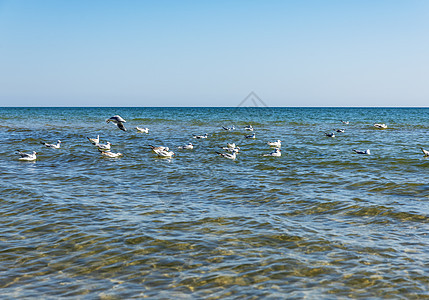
(118,120)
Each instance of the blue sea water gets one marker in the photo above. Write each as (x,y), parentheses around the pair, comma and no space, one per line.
(318,222)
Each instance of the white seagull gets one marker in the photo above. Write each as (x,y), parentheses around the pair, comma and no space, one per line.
(345,122)
(94,141)
(189,146)
(110,154)
(103,147)
(362,152)
(53,146)
(380,126)
(164,153)
(229,128)
(118,120)
(248,127)
(228,155)
(27,156)
(276,144)
(159,148)
(425,152)
(201,136)
(142,130)
(252,136)
(276,152)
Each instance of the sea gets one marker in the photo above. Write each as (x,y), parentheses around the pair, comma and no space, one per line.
(318,222)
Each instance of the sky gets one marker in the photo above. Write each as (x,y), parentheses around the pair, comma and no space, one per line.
(214,53)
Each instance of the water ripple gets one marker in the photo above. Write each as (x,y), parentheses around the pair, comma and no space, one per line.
(320,221)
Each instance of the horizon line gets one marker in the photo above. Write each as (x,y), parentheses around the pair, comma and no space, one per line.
(236,107)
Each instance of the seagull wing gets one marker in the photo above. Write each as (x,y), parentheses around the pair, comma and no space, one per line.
(121,126)
(22,154)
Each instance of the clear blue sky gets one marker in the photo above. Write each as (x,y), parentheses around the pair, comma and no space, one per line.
(214,53)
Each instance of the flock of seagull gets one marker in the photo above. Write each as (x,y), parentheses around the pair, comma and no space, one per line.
(164,152)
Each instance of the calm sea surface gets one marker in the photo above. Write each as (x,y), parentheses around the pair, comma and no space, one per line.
(318,222)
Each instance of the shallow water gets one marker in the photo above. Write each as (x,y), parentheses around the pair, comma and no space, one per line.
(318,222)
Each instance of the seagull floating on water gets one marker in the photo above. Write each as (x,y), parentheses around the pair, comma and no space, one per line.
(94,141)
(380,126)
(276,152)
(229,128)
(53,146)
(425,152)
(345,122)
(103,147)
(276,144)
(248,127)
(142,130)
(164,153)
(110,154)
(189,146)
(362,152)
(27,156)
(118,120)
(201,136)
(252,136)
(228,155)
